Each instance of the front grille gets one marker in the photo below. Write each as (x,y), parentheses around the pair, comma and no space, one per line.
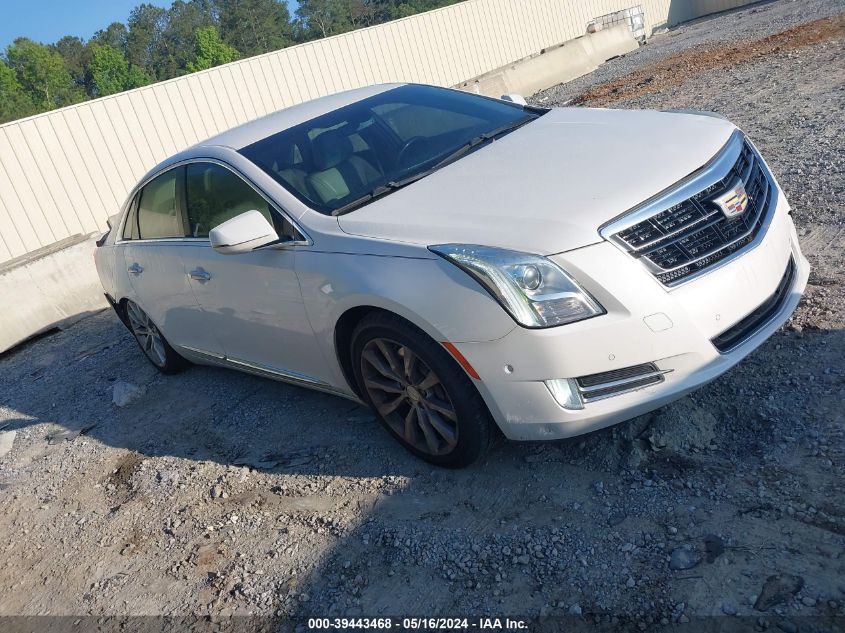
(694,234)
(618,381)
(742,331)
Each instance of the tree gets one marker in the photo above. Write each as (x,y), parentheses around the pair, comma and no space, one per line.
(178,37)
(114,35)
(210,51)
(146,23)
(322,18)
(111,72)
(254,26)
(77,56)
(14,102)
(42,73)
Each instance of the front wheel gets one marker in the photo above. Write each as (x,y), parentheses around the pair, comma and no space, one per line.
(152,342)
(419,392)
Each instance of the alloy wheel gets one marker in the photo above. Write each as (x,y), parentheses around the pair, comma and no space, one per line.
(150,339)
(409,396)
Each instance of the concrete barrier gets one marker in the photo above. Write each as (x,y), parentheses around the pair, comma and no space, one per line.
(556,65)
(50,287)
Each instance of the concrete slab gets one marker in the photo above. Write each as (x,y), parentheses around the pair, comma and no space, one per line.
(48,288)
(557,65)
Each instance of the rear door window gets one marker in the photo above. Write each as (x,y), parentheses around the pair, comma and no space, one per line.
(158,208)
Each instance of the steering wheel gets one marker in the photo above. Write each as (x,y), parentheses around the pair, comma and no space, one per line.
(415,142)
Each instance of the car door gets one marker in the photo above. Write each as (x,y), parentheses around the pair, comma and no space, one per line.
(252,300)
(153,239)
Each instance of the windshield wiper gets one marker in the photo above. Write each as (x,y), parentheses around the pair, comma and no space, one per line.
(474,142)
(393,185)
(367,197)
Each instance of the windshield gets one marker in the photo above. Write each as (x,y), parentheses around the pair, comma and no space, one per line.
(345,158)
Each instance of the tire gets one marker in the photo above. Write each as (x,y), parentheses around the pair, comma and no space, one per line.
(419,393)
(151,341)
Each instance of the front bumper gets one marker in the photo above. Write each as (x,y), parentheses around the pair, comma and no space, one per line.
(645,323)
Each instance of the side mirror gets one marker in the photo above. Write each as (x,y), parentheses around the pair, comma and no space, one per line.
(515,98)
(242,234)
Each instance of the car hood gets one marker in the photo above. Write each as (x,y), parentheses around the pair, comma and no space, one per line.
(548,186)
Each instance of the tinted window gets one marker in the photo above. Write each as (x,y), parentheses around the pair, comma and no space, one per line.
(158,211)
(214,194)
(340,157)
(130,229)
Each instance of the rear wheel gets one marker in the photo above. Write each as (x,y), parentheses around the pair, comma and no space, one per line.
(152,342)
(419,392)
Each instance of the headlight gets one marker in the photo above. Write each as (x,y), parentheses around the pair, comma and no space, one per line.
(534,290)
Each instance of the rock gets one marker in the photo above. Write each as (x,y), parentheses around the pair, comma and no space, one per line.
(729,607)
(684,558)
(787,626)
(125,393)
(778,589)
(7,439)
(216,491)
(631,583)
(68,436)
(575,609)
(713,547)
(807,601)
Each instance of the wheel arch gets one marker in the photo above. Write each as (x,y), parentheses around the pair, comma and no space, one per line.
(345,326)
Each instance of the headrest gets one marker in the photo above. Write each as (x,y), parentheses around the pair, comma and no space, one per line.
(330,149)
(287,157)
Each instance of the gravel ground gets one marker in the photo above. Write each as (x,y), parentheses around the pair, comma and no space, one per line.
(215,493)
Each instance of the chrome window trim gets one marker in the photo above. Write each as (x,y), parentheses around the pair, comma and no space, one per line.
(204,240)
(708,175)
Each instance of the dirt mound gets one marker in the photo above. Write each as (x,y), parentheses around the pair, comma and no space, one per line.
(675,69)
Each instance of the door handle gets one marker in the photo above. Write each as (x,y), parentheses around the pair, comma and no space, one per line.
(200,275)
(136,269)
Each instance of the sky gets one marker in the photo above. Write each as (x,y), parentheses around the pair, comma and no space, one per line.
(48,20)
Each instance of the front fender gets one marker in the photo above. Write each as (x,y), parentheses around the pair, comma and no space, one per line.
(434,295)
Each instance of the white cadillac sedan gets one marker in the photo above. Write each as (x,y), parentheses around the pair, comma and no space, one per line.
(459,263)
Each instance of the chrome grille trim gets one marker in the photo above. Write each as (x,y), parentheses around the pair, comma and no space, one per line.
(705,239)
(618,381)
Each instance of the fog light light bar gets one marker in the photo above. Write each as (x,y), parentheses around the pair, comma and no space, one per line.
(565,392)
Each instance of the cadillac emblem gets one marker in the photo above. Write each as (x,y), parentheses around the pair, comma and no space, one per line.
(734,201)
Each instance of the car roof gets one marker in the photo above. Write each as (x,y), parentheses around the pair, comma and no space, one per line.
(253,131)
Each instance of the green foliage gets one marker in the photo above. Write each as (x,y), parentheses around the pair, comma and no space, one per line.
(111,71)
(322,18)
(254,26)
(42,73)
(210,50)
(160,43)
(144,38)
(15,103)
(178,37)
(113,35)
(77,56)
